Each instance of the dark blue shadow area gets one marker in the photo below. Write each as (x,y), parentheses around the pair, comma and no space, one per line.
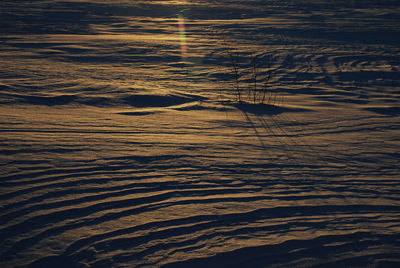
(142,101)
(266,109)
(390,111)
(316,250)
(56,261)
(50,101)
(51,17)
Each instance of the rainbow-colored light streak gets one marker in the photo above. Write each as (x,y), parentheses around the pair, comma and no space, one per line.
(182,34)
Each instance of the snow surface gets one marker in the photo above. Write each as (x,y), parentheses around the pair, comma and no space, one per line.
(122,144)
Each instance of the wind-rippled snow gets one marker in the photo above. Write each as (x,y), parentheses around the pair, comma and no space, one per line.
(121,147)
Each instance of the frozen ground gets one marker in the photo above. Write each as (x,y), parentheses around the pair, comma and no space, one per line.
(121,146)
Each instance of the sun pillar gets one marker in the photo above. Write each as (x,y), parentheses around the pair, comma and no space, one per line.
(182,34)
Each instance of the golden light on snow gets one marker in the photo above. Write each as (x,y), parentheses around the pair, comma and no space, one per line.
(123,142)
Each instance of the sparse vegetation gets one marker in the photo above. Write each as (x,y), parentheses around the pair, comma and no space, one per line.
(250,73)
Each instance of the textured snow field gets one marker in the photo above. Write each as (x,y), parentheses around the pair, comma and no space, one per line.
(121,145)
